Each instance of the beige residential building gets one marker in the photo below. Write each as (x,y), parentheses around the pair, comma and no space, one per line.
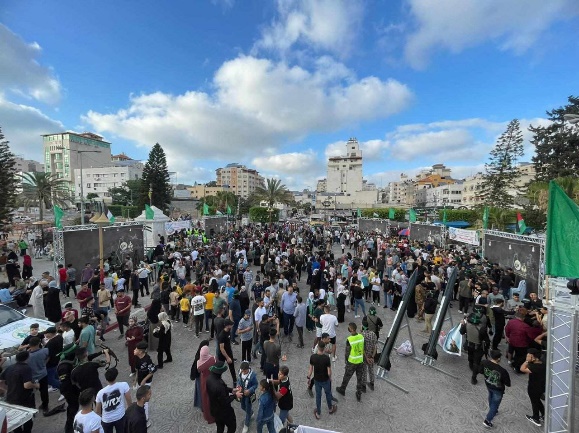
(199,191)
(322,185)
(242,181)
(345,172)
(472,194)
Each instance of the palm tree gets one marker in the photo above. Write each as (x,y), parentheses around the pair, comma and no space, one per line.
(274,192)
(44,190)
(499,218)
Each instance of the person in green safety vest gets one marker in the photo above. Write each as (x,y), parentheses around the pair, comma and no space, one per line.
(354,362)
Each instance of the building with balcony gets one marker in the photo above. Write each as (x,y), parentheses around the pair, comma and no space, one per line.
(98,180)
(240,180)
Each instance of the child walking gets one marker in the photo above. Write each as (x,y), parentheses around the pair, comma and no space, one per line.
(265,413)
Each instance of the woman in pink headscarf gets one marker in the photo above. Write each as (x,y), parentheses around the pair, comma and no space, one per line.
(206,360)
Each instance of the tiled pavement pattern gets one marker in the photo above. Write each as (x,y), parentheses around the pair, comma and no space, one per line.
(435,402)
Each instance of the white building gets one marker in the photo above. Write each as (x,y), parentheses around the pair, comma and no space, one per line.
(345,172)
(99,180)
(65,152)
(28,165)
(396,191)
(449,195)
(322,185)
(472,194)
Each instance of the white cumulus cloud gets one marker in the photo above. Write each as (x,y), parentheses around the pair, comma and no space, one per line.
(257,104)
(20,71)
(454,25)
(322,25)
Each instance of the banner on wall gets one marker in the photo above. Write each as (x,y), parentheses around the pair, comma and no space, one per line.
(172,227)
(470,237)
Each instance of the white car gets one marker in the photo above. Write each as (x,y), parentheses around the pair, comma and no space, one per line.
(15,327)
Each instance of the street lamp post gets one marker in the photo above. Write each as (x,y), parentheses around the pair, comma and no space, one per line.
(80,152)
(102,222)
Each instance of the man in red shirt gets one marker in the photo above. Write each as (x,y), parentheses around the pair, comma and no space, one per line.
(84,293)
(520,335)
(62,279)
(122,309)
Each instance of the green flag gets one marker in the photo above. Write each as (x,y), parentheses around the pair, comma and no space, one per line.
(562,234)
(444,216)
(228,210)
(412,215)
(58,214)
(358,213)
(391,214)
(521,224)
(486,218)
(109,214)
(149,213)
(205,209)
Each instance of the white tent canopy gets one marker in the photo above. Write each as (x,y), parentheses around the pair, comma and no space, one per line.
(153,228)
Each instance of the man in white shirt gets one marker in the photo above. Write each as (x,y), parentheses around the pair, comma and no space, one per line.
(198,306)
(67,333)
(375,289)
(329,324)
(112,401)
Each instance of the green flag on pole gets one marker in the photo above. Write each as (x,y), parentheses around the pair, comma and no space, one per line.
(486,218)
(205,209)
(228,210)
(444,216)
(108,214)
(58,214)
(521,223)
(391,214)
(358,213)
(149,213)
(412,215)
(562,234)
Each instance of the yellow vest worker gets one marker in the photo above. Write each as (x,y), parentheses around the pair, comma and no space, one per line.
(356,349)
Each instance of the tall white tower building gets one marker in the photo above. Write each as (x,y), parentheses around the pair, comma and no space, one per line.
(345,172)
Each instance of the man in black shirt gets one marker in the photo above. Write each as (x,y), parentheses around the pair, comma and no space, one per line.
(321,368)
(136,417)
(18,379)
(225,353)
(272,355)
(537,371)
(496,379)
(54,346)
(86,374)
(145,370)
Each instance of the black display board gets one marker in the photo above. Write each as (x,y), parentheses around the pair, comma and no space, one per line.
(426,233)
(215,225)
(522,256)
(82,246)
(367,225)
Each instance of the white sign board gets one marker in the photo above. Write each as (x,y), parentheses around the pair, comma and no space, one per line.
(464,236)
(176,226)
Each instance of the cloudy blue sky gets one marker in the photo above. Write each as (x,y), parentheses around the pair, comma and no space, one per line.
(280,85)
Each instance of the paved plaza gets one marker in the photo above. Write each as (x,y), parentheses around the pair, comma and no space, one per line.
(435,402)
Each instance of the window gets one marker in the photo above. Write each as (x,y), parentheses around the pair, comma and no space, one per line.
(88,185)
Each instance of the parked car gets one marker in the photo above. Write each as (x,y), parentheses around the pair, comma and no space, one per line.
(15,327)
(3,421)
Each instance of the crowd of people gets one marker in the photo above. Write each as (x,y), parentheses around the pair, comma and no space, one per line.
(256,288)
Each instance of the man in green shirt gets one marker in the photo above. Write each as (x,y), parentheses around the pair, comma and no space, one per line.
(87,335)
(23,246)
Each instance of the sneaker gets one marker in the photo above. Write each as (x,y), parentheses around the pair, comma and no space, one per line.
(316,414)
(460,311)
(121,337)
(473,381)
(371,385)
(132,375)
(334,409)
(207,331)
(51,389)
(356,317)
(487,424)
(245,429)
(341,391)
(533,420)
(335,358)
(149,423)
(541,419)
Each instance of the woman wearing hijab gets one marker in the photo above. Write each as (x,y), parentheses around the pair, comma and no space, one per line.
(164,334)
(153,316)
(52,303)
(26,266)
(206,361)
(133,336)
(311,307)
(195,375)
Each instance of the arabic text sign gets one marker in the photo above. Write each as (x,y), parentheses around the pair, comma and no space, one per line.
(176,226)
(464,236)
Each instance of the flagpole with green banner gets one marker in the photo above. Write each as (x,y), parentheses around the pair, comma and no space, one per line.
(412,215)
(149,212)
(205,209)
(108,214)
(485,218)
(521,224)
(444,216)
(358,213)
(228,210)
(391,214)
(562,234)
(58,214)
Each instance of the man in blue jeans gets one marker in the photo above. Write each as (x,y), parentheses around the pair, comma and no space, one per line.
(496,379)
(288,307)
(321,373)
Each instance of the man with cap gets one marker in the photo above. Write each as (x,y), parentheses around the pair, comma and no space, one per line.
(20,386)
(247,384)
(221,396)
(537,371)
(245,332)
(496,379)
(122,310)
(225,352)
